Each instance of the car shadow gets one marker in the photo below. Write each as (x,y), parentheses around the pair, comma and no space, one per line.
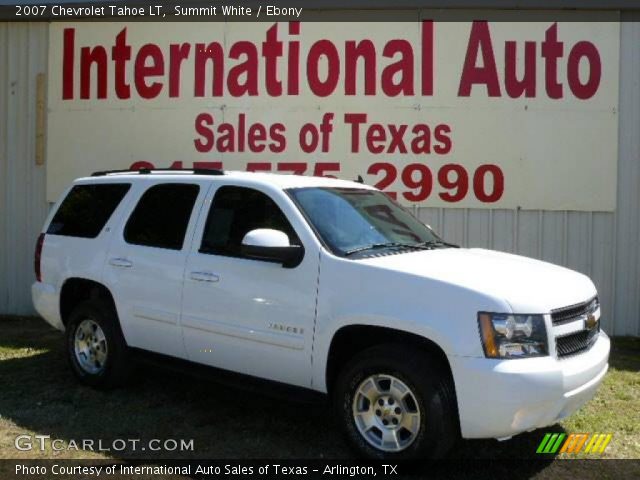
(625,352)
(40,395)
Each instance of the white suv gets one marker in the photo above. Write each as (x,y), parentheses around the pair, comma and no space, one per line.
(323,284)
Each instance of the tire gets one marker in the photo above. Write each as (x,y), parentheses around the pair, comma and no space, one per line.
(95,323)
(427,424)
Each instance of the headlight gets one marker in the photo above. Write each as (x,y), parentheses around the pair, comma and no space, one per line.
(512,336)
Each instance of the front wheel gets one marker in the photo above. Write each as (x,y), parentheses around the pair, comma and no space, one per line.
(96,349)
(397,403)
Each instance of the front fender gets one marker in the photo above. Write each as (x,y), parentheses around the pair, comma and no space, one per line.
(357,293)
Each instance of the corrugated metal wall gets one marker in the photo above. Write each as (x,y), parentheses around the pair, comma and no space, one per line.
(604,246)
(626,282)
(23,55)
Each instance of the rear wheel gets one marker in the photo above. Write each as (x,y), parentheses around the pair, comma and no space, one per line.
(96,349)
(397,403)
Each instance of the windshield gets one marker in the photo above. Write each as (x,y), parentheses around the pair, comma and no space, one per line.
(351,220)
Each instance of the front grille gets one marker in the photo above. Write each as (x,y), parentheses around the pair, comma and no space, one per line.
(577,342)
(573,312)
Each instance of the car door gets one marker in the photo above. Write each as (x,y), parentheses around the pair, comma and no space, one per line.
(145,265)
(250,316)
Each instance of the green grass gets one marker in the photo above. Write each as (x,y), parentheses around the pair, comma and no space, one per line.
(40,396)
(616,407)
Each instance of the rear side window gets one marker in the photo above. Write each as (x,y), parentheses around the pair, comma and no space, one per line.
(162,215)
(86,209)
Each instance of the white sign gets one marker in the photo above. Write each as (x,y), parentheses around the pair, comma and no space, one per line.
(483,114)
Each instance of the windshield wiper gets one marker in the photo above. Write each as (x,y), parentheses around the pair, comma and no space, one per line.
(375,246)
(438,243)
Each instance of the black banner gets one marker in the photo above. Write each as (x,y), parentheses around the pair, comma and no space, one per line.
(290,10)
(315,469)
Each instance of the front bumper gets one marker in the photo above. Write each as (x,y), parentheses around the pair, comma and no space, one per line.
(501,398)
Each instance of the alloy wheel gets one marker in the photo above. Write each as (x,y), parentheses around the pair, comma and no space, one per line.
(90,347)
(386,413)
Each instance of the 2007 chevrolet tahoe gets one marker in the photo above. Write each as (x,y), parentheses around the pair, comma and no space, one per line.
(324,284)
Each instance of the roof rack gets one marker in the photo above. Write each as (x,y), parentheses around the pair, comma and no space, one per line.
(148,171)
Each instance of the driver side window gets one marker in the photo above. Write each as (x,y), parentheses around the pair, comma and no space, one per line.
(235,211)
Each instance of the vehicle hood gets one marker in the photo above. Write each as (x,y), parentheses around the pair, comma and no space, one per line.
(527,285)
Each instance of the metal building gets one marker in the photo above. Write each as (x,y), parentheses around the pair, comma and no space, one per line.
(603,245)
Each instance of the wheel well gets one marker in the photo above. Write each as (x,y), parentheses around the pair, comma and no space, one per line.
(353,339)
(77,290)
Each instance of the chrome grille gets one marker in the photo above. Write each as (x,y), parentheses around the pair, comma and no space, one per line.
(577,342)
(573,312)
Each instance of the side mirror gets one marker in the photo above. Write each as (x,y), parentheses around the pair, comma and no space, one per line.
(271,246)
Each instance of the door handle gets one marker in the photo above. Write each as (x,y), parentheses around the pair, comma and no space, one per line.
(204,277)
(120,262)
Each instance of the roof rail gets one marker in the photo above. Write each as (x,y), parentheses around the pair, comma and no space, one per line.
(147,171)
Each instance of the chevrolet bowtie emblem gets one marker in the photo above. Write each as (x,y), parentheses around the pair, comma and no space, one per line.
(590,322)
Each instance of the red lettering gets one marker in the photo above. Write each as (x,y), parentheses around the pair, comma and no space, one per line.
(389,175)
(212,52)
(353,52)
(308,138)
(552,50)
(356,65)
(202,124)
(421,142)
(152,52)
(89,56)
(397,139)
(271,51)
(527,84)
(177,53)
(355,119)
(589,51)
(459,183)
(257,137)
(208,165)
(487,74)
(297,168)
(479,183)
(403,67)
(279,141)
(248,68)
(68,55)
(293,61)
(258,167)
(226,141)
(321,169)
(323,48)
(121,54)
(142,164)
(376,136)
(427,57)
(242,122)
(441,134)
(326,127)
(424,182)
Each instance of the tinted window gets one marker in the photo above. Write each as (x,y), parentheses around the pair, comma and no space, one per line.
(86,209)
(161,217)
(235,212)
